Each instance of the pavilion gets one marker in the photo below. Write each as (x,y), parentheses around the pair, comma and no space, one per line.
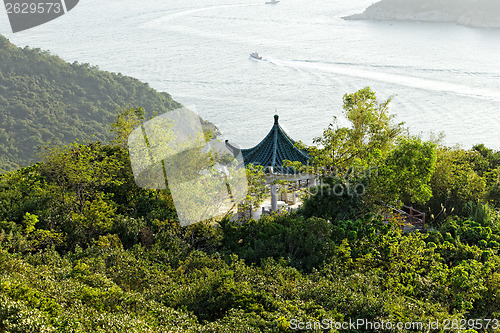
(270,153)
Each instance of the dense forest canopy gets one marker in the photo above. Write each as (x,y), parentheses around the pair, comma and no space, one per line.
(83,249)
(45,99)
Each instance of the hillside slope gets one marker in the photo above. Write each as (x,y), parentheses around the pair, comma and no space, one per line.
(473,13)
(45,99)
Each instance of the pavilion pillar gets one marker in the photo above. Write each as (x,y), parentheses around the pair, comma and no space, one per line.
(313,181)
(274,192)
(274,197)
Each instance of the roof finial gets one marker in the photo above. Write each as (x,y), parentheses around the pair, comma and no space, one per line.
(276,117)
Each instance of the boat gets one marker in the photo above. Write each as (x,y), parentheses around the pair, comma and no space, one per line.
(272,2)
(255,55)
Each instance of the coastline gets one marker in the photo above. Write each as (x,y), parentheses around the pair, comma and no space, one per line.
(469,16)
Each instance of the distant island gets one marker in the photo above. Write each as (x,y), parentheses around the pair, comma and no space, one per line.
(472,13)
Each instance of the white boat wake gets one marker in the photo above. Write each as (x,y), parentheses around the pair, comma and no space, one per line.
(177,15)
(403,80)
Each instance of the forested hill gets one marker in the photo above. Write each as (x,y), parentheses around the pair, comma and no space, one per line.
(45,99)
(473,13)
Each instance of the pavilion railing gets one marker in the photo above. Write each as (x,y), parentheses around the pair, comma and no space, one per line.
(411,215)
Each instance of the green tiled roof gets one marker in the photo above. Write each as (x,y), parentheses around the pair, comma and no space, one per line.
(276,147)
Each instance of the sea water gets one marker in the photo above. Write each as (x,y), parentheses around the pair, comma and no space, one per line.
(441,77)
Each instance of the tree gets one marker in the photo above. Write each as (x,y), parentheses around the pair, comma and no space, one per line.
(83,169)
(125,122)
(455,182)
(347,158)
(406,173)
(96,218)
(371,134)
(256,186)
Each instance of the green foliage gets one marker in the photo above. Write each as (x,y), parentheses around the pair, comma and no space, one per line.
(406,173)
(29,222)
(305,243)
(336,199)
(125,122)
(465,183)
(256,186)
(44,99)
(81,169)
(83,249)
(96,217)
(79,193)
(370,135)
